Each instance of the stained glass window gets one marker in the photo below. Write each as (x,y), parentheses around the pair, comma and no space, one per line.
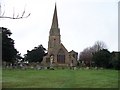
(61,56)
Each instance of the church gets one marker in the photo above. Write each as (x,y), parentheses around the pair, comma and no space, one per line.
(58,55)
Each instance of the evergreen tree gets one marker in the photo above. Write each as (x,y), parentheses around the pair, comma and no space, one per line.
(115,60)
(36,54)
(102,58)
(8,50)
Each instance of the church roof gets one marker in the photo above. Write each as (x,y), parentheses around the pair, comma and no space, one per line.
(72,51)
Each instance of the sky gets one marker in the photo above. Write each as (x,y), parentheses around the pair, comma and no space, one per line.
(81,23)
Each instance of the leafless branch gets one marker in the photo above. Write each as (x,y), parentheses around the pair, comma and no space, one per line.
(13,12)
(2,15)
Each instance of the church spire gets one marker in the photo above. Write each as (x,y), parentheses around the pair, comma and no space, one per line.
(55,19)
(55,31)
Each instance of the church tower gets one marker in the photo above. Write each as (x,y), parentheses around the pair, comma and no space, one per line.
(54,34)
(57,53)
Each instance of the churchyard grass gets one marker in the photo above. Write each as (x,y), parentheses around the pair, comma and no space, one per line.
(81,78)
(0,77)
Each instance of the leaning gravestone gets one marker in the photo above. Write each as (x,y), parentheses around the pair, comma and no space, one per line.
(87,68)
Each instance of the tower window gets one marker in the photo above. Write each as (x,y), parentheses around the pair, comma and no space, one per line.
(54,42)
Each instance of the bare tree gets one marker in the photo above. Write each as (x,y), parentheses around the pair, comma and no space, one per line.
(99,45)
(18,16)
(87,54)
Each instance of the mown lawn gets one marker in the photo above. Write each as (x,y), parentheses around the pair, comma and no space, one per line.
(59,78)
(0,78)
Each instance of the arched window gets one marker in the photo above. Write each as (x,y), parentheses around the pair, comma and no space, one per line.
(61,56)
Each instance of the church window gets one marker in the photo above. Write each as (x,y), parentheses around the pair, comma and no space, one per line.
(47,60)
(72,61)
(54,42)
(61,56)
(74,55)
